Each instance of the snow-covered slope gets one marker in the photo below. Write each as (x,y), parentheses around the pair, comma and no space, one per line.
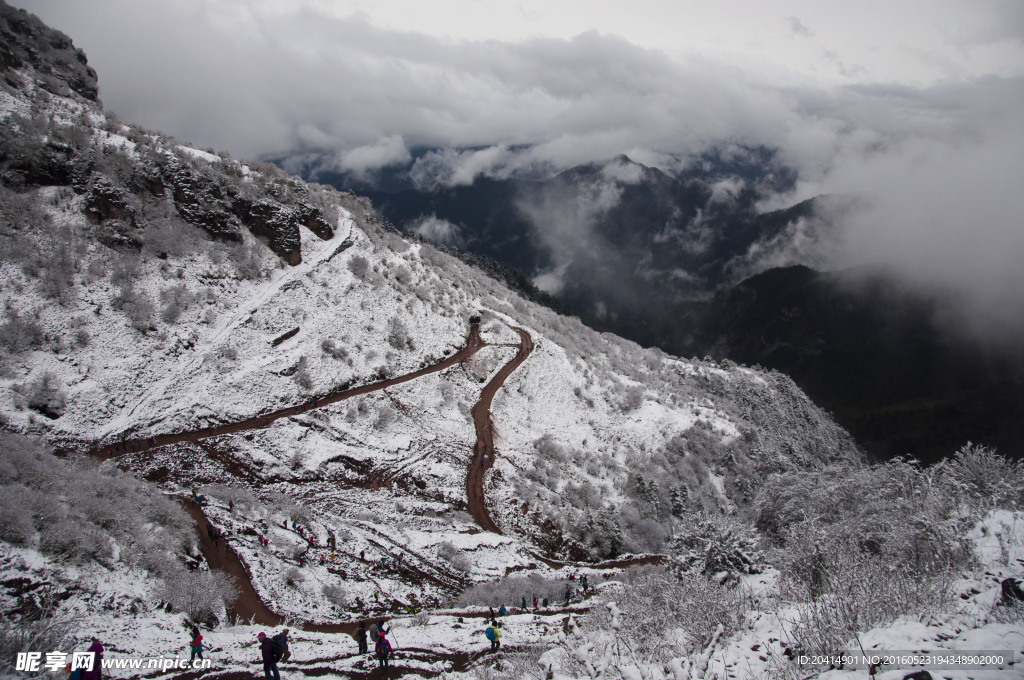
(150,288)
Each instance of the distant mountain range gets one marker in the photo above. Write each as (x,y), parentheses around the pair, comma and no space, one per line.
(692,262)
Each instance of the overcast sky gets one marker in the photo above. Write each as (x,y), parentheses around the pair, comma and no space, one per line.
(915,105)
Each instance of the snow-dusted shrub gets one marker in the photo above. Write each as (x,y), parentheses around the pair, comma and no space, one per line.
(43,627)
(455,557)
(247,257)
(200,595)
(401,273)
(335,595)
(134,303)
(241,498)
(302,376)
(385,417)
(601,532)
(711,544)
(511,590)
(658,616)
(74,541)
(984,478)
(896,510)
(842,590)
(632,399)
(17,527)
(81,512)
(1007,612)
(334,350)
(19,333)
(293,576)
(522,662)
(57,277)
(176,300)
(359,266)
(44,395)
(398,334)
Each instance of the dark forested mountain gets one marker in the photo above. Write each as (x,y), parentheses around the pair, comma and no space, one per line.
(692,262)
(875,354)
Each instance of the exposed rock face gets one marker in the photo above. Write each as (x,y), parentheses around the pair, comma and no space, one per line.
(200,201)
(58,65)
(41,152)
(104,201)
(273,222)
(312,219)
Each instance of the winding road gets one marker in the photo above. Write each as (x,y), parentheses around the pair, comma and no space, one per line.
(483,450)
(474,343)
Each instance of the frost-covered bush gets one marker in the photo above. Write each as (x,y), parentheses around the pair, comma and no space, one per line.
(334,350)
(841,590)
(200,595)
(896,510)
(302,375)
(632,398)
(713,544)
(293,576)
(658,616)
(136,304)
(45,395)
(176,300)
(455,557)
(17,527)
(860,545)
(19,333)
(241,499)
(401,273)
(398,334)
(36,627)
(335,595)
(247,257)
(511,590)
(83,513)
(984,478)
(359,266)
(385,417)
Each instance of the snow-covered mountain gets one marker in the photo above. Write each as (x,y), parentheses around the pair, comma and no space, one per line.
(213,327)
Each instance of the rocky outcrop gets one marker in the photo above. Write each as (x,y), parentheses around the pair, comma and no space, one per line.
(39,151)
(273,222)
(313,219)
(104,201)
(200,201)
(59,67)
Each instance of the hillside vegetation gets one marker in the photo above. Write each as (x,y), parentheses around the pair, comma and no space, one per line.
(150,288)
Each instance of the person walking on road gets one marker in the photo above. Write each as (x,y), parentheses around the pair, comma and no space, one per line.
(383,649)
(361,637)
(196,644)
(493,634)
(96,673)
(270,671)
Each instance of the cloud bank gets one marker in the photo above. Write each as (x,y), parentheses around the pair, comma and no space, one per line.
(937,162)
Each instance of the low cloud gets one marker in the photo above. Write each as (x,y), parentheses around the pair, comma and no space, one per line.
(437,230)
(937,165)
(383,152)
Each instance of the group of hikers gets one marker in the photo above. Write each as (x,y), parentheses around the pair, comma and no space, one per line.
(378,633)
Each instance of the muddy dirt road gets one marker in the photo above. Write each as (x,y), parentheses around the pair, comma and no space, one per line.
(483,452)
